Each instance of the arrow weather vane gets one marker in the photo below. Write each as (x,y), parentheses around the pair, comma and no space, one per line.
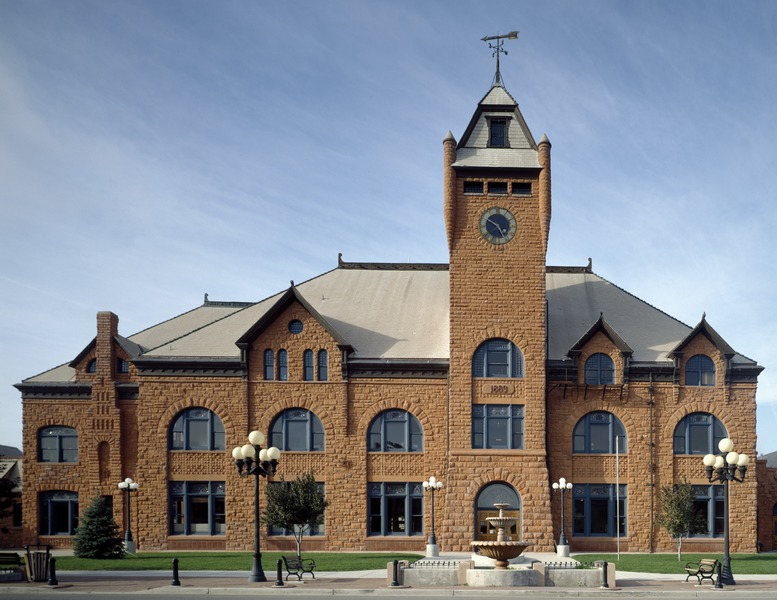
(497,50)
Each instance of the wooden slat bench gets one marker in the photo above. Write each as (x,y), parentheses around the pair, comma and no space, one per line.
(704,569)
(298,566)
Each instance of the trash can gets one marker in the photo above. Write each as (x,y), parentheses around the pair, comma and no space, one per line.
(37,561)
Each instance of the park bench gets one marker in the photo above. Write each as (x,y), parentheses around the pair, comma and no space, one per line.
(704,569)
(296,565)
(10,564)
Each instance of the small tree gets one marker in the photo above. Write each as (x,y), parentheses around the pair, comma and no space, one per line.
(678,515)
(296,506)
(98,535)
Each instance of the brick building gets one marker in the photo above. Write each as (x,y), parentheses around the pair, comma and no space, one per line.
(495,372)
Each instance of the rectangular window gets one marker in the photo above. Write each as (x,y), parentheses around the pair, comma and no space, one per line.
(497,133)
(473,187)
(708,506)
(521,188)
(596,511)
(323,365)
(497,187)
(396,508)
(497,426)
(197,508)
(58,513)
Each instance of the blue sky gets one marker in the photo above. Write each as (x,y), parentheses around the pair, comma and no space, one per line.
(152,152)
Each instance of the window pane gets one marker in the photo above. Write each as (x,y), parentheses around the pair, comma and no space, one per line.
(198,435)
(198,520)
(395,437)
(395,507)
(699,440)
(599,437)
(599,515)
(497,433)
(177,516)
(296,435)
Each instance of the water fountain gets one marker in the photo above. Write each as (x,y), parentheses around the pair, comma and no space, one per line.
(501,550)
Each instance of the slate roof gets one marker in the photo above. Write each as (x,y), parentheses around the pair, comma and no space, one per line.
(401,312)
(473,150)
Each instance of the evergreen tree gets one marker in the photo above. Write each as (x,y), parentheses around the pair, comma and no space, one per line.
(296,506)
(678,515)
(98,535)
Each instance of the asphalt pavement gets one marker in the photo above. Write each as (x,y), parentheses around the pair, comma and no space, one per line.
(360,583)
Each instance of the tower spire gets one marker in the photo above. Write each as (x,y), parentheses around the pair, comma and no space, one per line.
(497,50)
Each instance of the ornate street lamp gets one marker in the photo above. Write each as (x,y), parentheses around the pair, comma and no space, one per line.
(432,486)
(723,468)
(562,486)
(266,465)
(128,486)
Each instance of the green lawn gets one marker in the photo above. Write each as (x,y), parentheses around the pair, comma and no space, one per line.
(741,564)
(229,561)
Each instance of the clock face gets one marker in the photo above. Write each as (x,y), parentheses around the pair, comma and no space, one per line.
(497,225)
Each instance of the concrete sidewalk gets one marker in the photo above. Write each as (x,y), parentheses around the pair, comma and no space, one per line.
(363,582)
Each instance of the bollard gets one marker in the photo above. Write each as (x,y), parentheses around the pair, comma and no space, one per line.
(279,574)
(176,582)
(53,571)
(719,583)
(605,585)
(395,573)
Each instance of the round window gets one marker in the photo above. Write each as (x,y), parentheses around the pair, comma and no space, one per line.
(295,326)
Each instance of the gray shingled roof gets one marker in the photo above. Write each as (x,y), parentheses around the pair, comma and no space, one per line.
(473,150)
(400,312)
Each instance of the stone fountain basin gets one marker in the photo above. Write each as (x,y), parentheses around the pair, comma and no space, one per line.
(500,550)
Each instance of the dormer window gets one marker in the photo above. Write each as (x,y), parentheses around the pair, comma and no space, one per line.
(497,133)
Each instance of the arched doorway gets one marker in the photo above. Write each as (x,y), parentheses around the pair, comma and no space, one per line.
(497,493)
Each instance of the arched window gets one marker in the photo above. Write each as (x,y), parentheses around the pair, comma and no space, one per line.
(599,369)
(323,365)
(598,433)
(497,358)
(91,366)
(58,444)
(122,366)
(395,431)
(283,365)
(698,433)
(307,365)
(700,370)
(269,365)
(297,430)
(197,429)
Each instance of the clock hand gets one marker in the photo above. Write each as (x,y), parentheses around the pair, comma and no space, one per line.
(498,228)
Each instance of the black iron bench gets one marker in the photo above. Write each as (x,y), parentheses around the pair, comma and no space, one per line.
(298,566)
(10,566)
(10,562)
(704,569)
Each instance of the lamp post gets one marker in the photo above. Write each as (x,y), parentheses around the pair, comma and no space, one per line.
(128,486)
(263,465)
(722,468)
(561,486)
(432,486)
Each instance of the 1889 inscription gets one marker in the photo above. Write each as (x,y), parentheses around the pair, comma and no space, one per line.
(499,389)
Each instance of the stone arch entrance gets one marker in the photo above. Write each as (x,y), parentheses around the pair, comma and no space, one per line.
(495,493)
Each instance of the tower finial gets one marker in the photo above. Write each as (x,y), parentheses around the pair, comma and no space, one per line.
(497,50)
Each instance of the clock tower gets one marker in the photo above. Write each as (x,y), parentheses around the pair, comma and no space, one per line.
(497,218)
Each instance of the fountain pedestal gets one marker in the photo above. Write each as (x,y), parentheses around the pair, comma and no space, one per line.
(502,550)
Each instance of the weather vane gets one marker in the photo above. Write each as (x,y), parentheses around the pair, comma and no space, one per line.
(497,49)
